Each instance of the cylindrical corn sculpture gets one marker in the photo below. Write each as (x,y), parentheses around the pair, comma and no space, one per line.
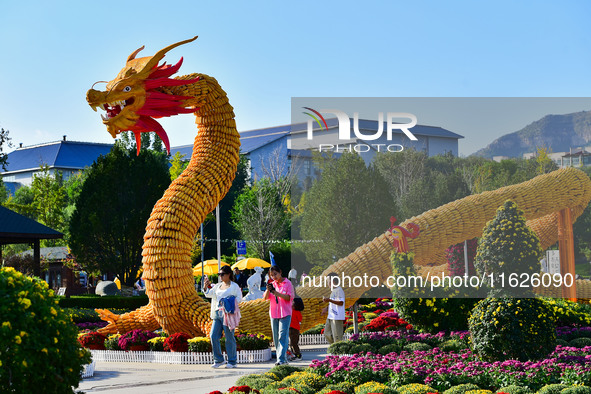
(142,91)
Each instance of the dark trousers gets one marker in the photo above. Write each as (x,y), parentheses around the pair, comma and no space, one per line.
(294,340)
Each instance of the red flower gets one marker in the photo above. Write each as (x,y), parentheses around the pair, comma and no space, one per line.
(215,392)
(177,342)
(409,326)
(242,389)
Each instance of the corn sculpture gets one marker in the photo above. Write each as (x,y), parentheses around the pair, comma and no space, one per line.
(143,91)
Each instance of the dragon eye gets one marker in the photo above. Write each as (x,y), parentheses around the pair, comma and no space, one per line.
(127,89)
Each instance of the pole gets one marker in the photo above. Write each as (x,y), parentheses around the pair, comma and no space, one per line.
(219,242)
(202,260)
(466,258)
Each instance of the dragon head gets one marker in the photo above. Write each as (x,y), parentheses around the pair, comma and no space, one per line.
(133,99)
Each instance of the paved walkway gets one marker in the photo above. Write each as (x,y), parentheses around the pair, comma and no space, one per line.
(149,378)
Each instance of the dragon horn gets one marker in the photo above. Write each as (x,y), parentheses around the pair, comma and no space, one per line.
(160,54)
(132,56)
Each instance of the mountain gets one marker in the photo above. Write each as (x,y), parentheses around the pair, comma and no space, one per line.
(557,132)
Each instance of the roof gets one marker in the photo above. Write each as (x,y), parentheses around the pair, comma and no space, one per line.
(59,154)
(250,140)
(16,228)
(49,253)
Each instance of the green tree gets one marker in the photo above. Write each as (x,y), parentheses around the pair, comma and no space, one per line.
(177,165)
(3,192)
(228,232)
(4,140)
(108,223)
(260,216)
(22,202)
(49,198)
(348,206)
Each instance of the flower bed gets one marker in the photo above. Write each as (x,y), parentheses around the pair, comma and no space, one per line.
(442,370)
(244,357)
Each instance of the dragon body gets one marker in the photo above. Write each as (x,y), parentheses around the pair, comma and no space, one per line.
(143,92)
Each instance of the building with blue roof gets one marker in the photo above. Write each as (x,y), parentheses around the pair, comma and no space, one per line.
(67,157)
(271,151)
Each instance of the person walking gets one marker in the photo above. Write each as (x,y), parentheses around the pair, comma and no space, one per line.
(292,275)
(334,327)
(225,297)
(280,293)
(294,327)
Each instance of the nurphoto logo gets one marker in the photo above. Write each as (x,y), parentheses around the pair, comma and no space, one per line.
(345,129)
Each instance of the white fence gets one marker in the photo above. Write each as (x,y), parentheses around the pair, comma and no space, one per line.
(244,356)
(88,370)
(317,339)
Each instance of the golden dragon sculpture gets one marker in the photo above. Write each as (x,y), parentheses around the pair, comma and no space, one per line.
(143,91)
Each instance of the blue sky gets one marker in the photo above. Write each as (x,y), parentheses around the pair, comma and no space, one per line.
(264,53)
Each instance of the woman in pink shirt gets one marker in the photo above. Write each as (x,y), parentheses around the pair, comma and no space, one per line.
(280,293)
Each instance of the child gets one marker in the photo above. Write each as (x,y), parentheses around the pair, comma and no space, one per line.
(294,327)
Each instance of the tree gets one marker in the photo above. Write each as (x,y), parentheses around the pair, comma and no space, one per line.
(3,192)
(228,232)
(260,216)
(348,206)
(177,165)
(400,171)
(49,199)
(4,139)
(108,223)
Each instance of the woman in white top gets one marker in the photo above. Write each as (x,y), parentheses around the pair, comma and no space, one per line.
(226,288)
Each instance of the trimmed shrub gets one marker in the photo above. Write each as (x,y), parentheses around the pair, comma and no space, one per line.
(317,329)
(580,342)
(391,348)
(508,328)
(343,387)
(569,313)
(417,346)
(576,390)
(362,348)
(440,310)
(552,388)
(479,392)
(282,371)
(452,345)
(255,381)
(341,347)
(374,387)
(508,249)
(461,388)
(38,341)
(303,378)
(514,389)
(415,388)
(561,342)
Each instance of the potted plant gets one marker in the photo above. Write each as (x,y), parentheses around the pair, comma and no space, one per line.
(92,340)
(136,340)
(249,341)
(177,342)
(199,345)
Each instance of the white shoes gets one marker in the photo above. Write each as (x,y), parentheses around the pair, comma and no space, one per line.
(231,365)
(217,365)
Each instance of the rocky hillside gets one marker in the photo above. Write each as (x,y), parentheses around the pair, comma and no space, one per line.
(558,132)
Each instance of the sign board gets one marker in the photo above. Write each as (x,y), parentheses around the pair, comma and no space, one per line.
(553,261)
(241,247)
(61,291)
